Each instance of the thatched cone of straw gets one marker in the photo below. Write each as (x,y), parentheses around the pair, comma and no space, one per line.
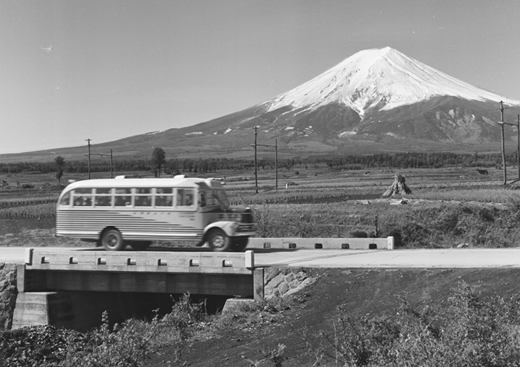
(398,187)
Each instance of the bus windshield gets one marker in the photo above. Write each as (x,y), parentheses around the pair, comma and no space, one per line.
(213,198)
(221,197)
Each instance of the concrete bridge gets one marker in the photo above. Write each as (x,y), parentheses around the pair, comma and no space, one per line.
(71,288)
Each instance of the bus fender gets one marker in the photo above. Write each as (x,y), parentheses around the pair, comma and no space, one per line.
(228,227)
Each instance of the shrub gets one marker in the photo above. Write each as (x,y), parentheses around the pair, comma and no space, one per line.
(358,234)
(37,345)
(126,344)
(467,331)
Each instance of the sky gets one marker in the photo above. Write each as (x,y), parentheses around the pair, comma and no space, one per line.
(72,70)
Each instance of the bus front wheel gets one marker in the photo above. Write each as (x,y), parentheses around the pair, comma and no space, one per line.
(112,240)
(240,243)
(218,240)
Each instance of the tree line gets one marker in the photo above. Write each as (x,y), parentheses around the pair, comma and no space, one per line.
(159,164)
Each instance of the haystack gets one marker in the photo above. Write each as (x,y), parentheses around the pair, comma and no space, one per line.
(398,187)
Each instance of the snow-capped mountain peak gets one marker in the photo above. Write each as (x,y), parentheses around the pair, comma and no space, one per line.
(383,78)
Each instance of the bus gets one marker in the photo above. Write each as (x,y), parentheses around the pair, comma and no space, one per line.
(123,211)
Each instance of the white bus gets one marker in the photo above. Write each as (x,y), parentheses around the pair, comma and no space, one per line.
(123,211)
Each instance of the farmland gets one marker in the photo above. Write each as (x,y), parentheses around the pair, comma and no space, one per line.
(447,206)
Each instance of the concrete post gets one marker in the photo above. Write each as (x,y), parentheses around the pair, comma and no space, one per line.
(250,259)
(390,245)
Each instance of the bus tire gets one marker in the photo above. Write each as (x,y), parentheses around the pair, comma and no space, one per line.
(218,240)
(112,240)
(240,243)
(139,245)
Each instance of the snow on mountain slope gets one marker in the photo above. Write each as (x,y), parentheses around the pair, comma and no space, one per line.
(383,78)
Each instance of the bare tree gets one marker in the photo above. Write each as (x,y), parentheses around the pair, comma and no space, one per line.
(158,160)
(60,162)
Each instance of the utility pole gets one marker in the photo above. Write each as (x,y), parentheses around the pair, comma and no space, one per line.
(88,142)
(275,146)
(276,161)
(111,162)
(256,145)
(517,125)
(518,145)
(111,165)
(256,161)
(503,143)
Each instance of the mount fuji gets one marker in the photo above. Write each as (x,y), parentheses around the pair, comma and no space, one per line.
(377,98)
(383,79)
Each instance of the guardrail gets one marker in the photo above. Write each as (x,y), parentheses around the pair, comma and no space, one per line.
(170,262)
(322,243)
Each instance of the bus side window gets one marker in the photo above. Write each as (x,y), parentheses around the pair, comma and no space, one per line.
(83,197)
(202,199)
(163,196)
(184,197)
(143,197)
(163,200)
(189,199)
(65,200)
(83,200)
(103,201)
(123,201)
(103,196)
(123,197)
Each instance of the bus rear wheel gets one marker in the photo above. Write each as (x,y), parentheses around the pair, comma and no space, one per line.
(218,240)
(112,240)
(139,245)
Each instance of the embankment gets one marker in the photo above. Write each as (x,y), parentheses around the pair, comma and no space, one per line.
(8,293)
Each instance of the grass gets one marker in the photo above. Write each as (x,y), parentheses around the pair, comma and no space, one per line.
(443,211)
(486,195)
(447,207)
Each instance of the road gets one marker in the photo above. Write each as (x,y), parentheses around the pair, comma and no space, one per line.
(438,258)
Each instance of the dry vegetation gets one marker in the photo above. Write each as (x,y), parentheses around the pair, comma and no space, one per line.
(446,208)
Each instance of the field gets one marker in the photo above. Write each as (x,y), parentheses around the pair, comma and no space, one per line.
(390,317)
(448,207)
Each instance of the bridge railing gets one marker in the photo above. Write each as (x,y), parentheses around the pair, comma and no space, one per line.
(297,243)
(170,262)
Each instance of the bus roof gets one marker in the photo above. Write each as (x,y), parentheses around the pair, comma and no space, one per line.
(121,181)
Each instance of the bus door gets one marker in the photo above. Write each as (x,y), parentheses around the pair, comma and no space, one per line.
(185,208)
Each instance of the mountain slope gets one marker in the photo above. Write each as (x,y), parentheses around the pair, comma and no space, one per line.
(375,100)
(382,79)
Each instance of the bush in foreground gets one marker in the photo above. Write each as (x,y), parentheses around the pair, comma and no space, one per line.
(127,344)
(467,331)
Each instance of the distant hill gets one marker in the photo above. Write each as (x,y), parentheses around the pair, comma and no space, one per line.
(377,100)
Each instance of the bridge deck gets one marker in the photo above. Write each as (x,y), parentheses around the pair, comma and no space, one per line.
(207,273)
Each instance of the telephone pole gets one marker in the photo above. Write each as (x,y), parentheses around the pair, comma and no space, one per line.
(88,142)
(275,146)
(517,125)
(503,143)
(518,145)
(256,160)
